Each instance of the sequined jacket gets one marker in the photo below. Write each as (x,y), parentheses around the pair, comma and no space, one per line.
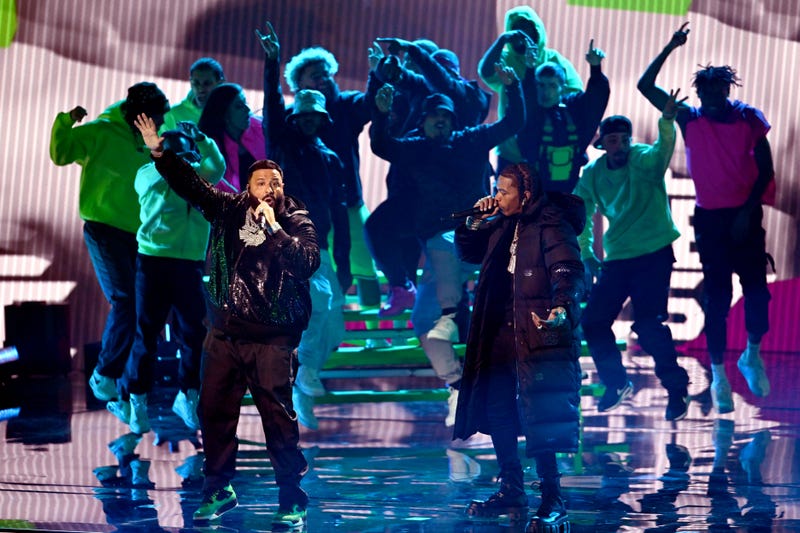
(258,286)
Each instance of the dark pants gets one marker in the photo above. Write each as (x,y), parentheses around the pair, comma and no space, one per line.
(501,409)
(721,257)
(390,236)
(230,367)
(646,280)
(113,255)
(164,284)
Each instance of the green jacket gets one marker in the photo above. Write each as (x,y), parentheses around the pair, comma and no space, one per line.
(110,154)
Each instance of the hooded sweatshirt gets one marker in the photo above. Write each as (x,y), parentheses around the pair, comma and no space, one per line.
(170,227)
(508,149)
(110,154)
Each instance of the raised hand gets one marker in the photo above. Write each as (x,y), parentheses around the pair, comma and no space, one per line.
(394,45)
(190,129)
(147,127)
(374,55)
(384,97)
(77,113)
(594,56)
(505,74)
(672,104)
(680,36)
(269,42)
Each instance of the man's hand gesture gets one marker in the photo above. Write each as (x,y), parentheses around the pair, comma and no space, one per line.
(672,104)
(594,56)
(374,55)
(147,127)
(269,42)
(384,98)
(505,74)
(680,36)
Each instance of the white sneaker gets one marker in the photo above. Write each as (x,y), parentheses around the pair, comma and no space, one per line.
(140,423)
(445,329)
(463,468)
(752,368)
(721,395)
(121,409)
(103,387)
(452,403)
(304,407)
(308,382)
(185,406)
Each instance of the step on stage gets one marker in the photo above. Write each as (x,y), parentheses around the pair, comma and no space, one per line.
(66,464)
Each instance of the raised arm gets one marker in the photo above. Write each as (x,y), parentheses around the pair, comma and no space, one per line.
(647,83)
(495,51)
(179,174)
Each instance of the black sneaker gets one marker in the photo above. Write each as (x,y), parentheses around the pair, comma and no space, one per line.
(613,397)
(677,406)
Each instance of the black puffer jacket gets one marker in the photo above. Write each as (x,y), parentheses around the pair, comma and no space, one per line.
(548,274)
(258,287)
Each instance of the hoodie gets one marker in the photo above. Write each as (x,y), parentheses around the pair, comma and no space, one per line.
(110,154)
(508,149)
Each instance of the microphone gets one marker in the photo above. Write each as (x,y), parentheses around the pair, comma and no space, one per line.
(472,211)
(261,220)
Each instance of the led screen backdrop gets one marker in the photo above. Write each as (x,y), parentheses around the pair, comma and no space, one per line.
(61,53)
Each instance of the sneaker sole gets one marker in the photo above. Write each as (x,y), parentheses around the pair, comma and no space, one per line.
(216,514)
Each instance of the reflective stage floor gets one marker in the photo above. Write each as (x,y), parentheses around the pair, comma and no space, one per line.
(68,465)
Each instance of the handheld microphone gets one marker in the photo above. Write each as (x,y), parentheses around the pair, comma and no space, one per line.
(261,220)
(472,211)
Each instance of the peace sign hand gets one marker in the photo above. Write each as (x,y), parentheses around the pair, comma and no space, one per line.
(672,104)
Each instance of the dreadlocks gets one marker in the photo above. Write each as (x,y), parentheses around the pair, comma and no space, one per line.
(709,75)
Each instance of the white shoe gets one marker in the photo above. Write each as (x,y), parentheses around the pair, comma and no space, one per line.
(140,423)
(308,382)
(452,403)
(752,368)
(463,468)
(185,406)
(721,395)
(304,407)
(445,329)
(121,409)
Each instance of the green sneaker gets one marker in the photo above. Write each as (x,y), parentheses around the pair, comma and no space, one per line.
(289,519)
(215,504)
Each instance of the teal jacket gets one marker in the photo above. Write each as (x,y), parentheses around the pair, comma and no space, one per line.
(170,226)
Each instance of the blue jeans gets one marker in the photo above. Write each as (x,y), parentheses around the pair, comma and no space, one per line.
(113,255)
(646,280)
(164,284)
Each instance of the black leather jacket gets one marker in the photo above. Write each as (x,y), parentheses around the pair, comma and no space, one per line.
(258,287)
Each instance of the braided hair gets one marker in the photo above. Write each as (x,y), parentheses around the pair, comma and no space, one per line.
(526,177)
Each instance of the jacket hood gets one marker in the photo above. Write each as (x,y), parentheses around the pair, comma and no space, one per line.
(553,207)
(527,13)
